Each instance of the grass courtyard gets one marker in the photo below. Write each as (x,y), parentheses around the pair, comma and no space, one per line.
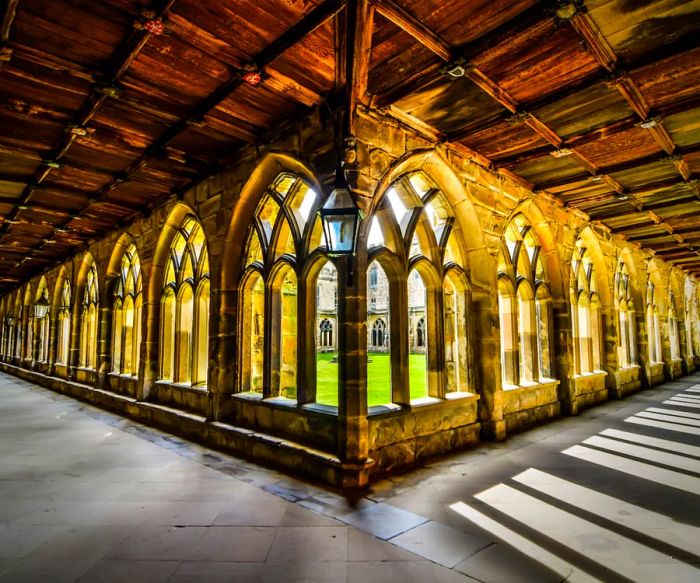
(378,378)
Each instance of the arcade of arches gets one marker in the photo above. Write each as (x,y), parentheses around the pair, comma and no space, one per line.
(474,309)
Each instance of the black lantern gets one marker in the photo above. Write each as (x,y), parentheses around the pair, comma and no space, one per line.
(41,307)
(341,218)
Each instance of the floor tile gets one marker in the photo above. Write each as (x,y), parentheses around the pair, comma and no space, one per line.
(383,521)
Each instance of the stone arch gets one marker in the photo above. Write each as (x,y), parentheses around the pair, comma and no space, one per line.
(549,250)
(602,273)
(439,170)
(637,290)
(265,172)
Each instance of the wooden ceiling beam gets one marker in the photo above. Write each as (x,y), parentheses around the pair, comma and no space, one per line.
(359,22)
(410,24)
(575,181)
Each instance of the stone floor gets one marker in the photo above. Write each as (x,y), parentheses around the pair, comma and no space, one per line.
(609,496)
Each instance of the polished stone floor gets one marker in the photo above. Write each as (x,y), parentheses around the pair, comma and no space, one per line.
(611,495)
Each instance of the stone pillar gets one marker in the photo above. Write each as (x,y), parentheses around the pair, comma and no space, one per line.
(73,359)
(609,319)
(564,355)
(104,352)
(149,372)
(487,363)
(306,341)
(223,364)
(353,437)
(53,337)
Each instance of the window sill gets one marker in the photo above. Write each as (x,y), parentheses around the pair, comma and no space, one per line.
(286,403)
(182,386)
(126,377)
(629,367)
(532,385)
(594,373)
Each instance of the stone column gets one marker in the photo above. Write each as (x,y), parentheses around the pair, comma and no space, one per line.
(487,364)
(150,319)
(611,363)
(53,336)
(353,437)
(564,367)
(104,353)
(223,362)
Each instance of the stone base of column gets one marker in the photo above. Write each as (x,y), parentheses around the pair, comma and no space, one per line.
(493,430)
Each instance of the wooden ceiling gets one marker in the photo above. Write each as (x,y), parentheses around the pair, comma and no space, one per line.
(102,118)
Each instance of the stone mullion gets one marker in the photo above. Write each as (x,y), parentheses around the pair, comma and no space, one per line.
(272,357)
(306,341)
(398,341)
(353,438)
(435,349)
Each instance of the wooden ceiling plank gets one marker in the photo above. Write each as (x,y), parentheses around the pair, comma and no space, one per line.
(589,31)
(467,52)
(408,23)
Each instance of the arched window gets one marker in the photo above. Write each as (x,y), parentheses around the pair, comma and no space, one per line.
(627,347)
(283,231)
(524,307)
(325,334)
(653,332)
(184,314)
(126,315)
(380,339)
(88,320)
(414,237)
(673,328)
(585,312)
(63,327)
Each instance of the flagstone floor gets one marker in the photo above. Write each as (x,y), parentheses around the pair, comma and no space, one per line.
(611,495)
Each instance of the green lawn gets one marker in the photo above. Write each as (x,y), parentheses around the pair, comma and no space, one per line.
(378,379)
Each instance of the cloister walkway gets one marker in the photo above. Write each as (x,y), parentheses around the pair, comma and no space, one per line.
(611,495)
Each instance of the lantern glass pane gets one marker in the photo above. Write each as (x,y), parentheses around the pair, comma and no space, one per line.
(340,232)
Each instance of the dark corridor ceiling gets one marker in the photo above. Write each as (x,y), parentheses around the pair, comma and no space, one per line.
(102,118)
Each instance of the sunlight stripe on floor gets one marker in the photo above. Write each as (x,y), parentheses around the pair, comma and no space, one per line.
(645,453)
(653,524)
(674,412)
(682,403)
(626,557)
(670,418)
(566,570)
(689,396)
(674,446)
(662,425)
(693,389)
(634,468)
